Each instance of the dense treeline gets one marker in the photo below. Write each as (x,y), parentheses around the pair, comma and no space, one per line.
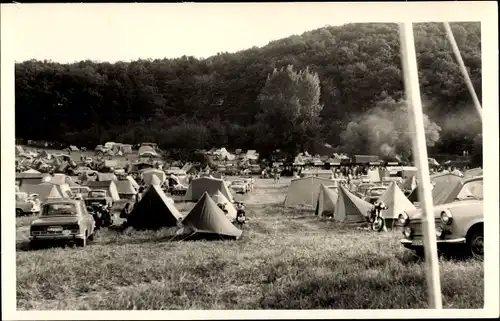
(201,103)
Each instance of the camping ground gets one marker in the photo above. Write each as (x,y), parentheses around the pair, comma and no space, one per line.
(288,258)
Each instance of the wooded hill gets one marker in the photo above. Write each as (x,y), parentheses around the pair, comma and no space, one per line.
(201,103)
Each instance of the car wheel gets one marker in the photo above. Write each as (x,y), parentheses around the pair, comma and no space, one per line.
(475,243)
(82,242)
(19,212)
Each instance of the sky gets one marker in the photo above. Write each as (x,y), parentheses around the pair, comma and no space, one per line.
(106,32)
(113,32)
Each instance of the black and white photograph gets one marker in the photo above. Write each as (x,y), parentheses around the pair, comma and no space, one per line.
(293,157)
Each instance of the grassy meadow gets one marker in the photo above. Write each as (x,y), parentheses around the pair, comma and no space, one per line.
(286,259)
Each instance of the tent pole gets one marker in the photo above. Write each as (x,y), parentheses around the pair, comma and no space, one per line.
(410,73)
(463,69)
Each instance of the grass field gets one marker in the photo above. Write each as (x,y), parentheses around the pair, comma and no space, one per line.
(287,259)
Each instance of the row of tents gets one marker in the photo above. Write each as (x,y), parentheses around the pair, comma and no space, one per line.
(205,219)
(332,199)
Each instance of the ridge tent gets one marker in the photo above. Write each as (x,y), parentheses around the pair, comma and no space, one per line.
(231,210)
(445,189)
(154,180)
(154,211)
(397,202)
(327,200)
(208,221)
(305,191)
(350,208)
(373,175)
(210,185)
(63,189)
(109,186)
(133,182)
(409,184)
(147,175)
(44,191)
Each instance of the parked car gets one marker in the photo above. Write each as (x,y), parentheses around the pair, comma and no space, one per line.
(362,188)
(82,170)
(63,220)
(374,193)
(240,186)
(457,223)
(27,204)
(82,190)
(98,196)
(99,205)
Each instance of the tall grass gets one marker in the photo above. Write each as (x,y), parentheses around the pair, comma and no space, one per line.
(287,259)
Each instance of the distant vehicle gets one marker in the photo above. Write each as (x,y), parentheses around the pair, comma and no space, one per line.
(99,205)
(240,186)
(154,146)
(82,190)
(362,189)
(26,204)
(255,169)
(62,221)
(82,170)
(98,196)
(178,190)
(374,193)
(458,223)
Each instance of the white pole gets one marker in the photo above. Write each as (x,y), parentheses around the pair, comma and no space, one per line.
(463,69)
(410,72)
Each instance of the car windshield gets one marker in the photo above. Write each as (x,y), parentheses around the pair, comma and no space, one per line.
(238,183)
(59,209)
(472,189)
(95,194)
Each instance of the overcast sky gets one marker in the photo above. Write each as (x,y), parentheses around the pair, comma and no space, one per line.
(112,32)
(66,33)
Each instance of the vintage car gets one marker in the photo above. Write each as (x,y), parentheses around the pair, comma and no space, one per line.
(62,220)
(178,189)
(459,223)
(27,204)
(82,190)
(240,186)
(362,188)
(81,170)
(98,196)
(374,193)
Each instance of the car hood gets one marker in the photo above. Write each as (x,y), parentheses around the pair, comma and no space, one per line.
(55,220)
(417,213)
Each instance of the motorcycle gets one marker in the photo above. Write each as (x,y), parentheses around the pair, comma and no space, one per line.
(377,222)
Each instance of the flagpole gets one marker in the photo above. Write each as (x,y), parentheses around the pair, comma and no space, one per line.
(412,89)
(463,69)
